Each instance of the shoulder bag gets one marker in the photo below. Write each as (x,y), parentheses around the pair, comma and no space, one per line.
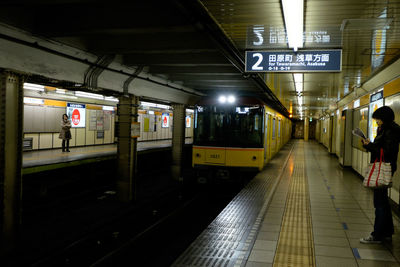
(378,174)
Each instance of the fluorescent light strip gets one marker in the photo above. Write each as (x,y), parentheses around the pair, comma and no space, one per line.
(108,108)
(110,98)
(300,100)
(89,95)
(298,77)
(298,82)
(293,11)
(154,105)
(35,87)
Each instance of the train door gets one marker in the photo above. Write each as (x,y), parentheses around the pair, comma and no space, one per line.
(273,142)
(279,136)
(266,141)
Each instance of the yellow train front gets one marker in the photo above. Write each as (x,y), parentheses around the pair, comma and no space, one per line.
(235,134)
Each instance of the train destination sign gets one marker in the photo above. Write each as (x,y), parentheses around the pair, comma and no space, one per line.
(289,61)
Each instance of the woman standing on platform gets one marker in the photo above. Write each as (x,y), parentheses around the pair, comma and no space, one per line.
(387,138)
(65,133)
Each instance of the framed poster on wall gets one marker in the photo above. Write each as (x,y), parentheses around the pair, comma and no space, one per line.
(77,114)
(165,120)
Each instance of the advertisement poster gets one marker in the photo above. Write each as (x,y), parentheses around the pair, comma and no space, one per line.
(135,129)
(146,124)
(374,105)
(77,114)
(107,120)
(165,120)
(188,121)
(99,120)
(92,120)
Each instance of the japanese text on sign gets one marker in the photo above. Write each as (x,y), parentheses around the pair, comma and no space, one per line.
(264,36)
(282,61)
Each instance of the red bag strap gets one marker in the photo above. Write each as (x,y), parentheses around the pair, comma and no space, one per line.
(379,171)
(382,155)
(370,173)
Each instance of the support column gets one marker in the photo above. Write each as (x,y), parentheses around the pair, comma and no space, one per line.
(11,116)
(306,128)
(178,141)
(127,148)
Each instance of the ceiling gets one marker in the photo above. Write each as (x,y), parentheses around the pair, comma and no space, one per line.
(353,20)
(201,44)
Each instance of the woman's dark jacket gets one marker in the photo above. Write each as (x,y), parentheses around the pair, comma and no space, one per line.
(388,138)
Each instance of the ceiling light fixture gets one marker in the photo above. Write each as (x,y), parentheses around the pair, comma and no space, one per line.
(89,95)
(34,87)
(298,82)
(293,12)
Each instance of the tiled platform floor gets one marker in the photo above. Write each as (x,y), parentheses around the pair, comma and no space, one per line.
(303,209)
(341,211)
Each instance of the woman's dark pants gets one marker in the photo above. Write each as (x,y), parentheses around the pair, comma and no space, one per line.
(383,226)
(63,144)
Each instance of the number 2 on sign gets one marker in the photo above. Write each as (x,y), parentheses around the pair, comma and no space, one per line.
(257,65)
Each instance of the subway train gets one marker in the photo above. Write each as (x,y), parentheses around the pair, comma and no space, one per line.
(234,134)
(334,131)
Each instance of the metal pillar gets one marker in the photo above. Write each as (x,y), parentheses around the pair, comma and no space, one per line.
(178,141)
(11,116)
(127,148)
(306,128)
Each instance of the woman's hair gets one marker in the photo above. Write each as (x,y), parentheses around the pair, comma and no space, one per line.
(384,114)
(64,115)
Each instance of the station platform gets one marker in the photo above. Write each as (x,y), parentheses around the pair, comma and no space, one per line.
(55,158)
(303,209)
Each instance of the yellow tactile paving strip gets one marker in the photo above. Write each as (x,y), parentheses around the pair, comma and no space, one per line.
(295,244)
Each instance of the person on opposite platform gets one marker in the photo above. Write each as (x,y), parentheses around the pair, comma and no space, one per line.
(65,133)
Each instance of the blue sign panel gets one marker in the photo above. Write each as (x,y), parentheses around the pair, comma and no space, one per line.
(289,61)
(376,96)
(73,105)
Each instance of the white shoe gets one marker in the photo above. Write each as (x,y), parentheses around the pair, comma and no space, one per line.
(370,240)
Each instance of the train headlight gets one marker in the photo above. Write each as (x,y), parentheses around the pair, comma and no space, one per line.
(222,99)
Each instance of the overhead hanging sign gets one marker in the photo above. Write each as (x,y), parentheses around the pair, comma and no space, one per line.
(289,61)
(269,36)
(77,114)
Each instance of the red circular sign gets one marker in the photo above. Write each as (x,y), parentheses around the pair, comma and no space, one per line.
(76,117)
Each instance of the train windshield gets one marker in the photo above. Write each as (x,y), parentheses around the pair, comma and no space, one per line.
(209,125)
(237,126)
